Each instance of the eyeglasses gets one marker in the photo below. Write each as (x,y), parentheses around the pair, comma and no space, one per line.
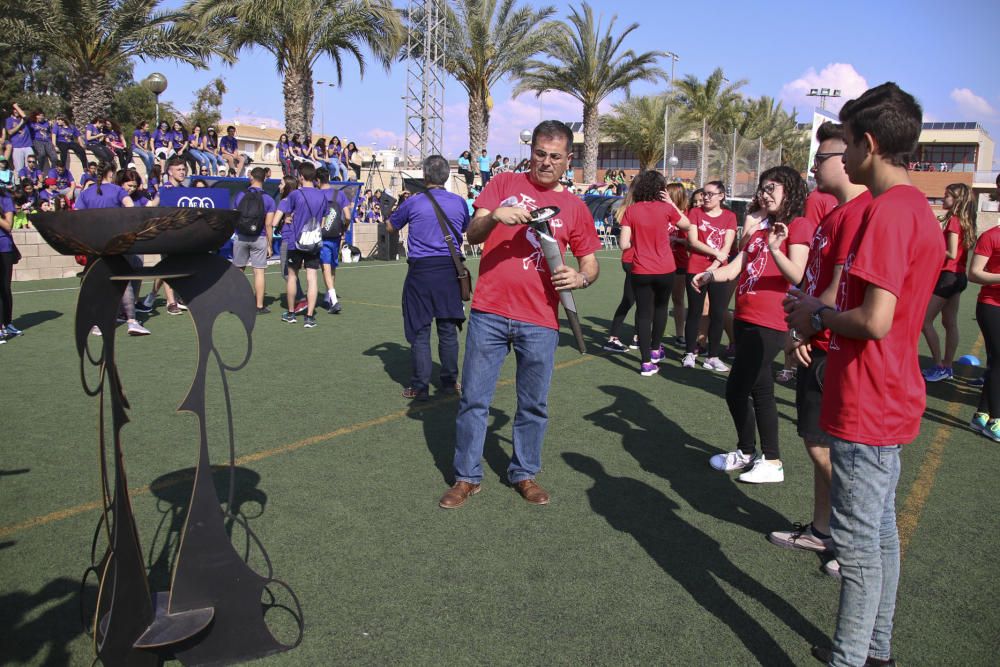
(768,189)
(820,158)
(708,194)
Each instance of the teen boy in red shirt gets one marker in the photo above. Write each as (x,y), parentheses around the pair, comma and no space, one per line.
(873,397)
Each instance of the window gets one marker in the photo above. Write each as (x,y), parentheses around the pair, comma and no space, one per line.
(946,157)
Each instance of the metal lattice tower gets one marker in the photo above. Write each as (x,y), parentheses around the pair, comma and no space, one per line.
(424,99)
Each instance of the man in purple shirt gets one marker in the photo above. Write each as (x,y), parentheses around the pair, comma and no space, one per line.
(19,135)
(304,205)
(228,149)
(67,139)
(255,250)
(41,140)
(329,254)
(64,181)
(30,171)
(431,291)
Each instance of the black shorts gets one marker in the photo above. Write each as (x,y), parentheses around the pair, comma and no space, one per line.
(297,259)
(950,283)
(809,398)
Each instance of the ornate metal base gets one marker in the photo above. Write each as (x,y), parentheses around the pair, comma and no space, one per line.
(213,612)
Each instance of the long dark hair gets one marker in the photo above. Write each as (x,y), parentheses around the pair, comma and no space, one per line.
(102,171)
(289,183)
(794,193)
(647,186)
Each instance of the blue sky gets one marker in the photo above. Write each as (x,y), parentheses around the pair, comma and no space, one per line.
(946,53)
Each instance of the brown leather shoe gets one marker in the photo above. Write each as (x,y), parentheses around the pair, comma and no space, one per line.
(456,496)
(531,492)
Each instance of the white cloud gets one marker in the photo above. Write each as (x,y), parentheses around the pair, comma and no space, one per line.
(972,105)
(840,76)
(383,138)
(258,121)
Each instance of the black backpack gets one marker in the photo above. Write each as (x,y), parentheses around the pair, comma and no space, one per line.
(333,224)
(251,208)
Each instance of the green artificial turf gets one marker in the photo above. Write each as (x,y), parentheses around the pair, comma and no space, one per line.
(644,556)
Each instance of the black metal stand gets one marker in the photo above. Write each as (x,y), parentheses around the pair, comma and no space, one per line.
(213,612)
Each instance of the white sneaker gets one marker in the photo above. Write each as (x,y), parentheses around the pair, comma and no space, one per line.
(732,461)
(95,331)
(715,364)
(689,360)
(136,329)
(831,568)
(764,472)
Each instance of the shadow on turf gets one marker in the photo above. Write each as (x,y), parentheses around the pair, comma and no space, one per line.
(173,493)
(663,448)
(692,558)
(25,633)
(439,434)
(396,361)
(28,320)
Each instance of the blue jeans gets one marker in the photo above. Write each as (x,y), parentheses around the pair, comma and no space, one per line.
(202,158)
(489,340)
(147,158)
(863,525)
(420,355)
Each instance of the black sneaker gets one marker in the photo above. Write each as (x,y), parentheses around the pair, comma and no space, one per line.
(288,317)
(615,345)
(310,321)
(263,310)
(141,307)
(824,655)
(335,309)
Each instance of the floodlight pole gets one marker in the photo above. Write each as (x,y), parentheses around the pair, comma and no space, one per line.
(822,94)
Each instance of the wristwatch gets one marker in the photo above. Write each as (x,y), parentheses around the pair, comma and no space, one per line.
(816,320)
(586,283)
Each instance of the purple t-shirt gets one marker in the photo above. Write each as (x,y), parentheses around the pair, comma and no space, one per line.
(33,174)
(140,138)
(426,239)
(110,196)
(6,206)
(269,205)
(21,138)
(66,133)
(210,143)
(282,150)
(177,139)
(93,129)
(162,139)
(195,141)
(303,204)
(229,144)
(63,180)
(41,131)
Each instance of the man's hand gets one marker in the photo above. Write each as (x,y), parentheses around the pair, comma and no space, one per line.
(567,278)
(799,308)
(510,215)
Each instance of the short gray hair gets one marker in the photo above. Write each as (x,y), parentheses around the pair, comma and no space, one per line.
(436,170)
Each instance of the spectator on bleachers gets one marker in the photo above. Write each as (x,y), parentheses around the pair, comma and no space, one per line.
(89,176)
(41,140)
(465,169)
(352,158)
(30,171)
(116,143)
(284,155)
(65,183)
(94,136)
(19,136)
(162,148)
(142,146)
(229,150)
(181,145)
(196,146)
(68,139)
(212,151)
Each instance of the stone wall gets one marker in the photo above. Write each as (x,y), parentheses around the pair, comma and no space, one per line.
(39,260)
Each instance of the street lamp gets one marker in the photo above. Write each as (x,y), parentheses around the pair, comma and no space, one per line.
(666,117)
(322,105)
(156,83)
(525,138)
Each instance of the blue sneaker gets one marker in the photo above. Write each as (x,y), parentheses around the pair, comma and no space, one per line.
(938,373)
(979,421)
(12,332)
(992,430)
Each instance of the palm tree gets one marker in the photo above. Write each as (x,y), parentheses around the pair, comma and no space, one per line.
(298,33)
(95,38)
(487,40)
(713,104)
(637,124)
(586,63)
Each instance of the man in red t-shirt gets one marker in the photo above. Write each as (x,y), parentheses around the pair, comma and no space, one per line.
(873,397)
(516,304)
(827,253)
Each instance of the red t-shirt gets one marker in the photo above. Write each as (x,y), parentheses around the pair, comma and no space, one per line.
(874,393)
(652,223)
(818,205)
(830,243)
(761,287)
(989,247)
(679,247)
(514,279)
(961,262)
(711,232)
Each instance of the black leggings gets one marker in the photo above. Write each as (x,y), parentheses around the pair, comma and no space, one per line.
(652,296)
(989,323)
(750,388)
(6,298)
(628,300)
(65,147)
(718,303)
(102,153)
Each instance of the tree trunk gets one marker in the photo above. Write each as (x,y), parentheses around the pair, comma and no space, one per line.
(479,123)
(298,91)
(90,97)
(591,142)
